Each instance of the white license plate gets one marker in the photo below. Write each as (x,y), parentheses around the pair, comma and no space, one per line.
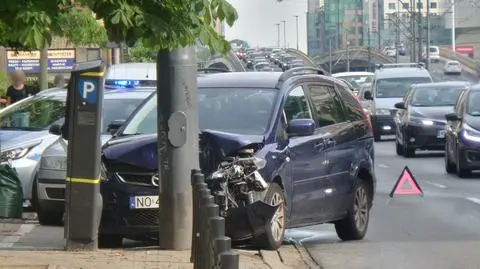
(144,202)
(441,134)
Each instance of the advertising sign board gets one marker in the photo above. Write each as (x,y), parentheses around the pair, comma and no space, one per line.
(59,60)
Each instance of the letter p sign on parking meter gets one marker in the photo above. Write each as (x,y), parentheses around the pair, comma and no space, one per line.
(88,90)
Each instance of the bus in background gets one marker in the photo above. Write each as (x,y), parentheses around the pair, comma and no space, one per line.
(131,75)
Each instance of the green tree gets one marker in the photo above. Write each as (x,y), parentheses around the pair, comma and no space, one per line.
(141,54)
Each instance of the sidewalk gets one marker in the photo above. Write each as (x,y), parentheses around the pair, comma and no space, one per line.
(144,258)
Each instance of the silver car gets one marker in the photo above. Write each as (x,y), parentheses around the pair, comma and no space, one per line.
(50,183)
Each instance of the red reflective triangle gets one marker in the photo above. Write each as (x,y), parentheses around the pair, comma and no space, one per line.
(406,184)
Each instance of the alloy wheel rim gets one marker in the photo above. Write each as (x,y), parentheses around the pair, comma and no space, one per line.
(360,209)
(278,221)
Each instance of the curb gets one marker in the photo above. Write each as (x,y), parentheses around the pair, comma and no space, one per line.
(306,256)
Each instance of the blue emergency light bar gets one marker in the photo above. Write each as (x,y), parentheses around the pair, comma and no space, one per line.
(126,83)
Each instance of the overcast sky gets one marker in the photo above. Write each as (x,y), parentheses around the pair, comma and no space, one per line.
(257,19)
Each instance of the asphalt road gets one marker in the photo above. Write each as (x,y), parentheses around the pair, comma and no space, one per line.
(440,230)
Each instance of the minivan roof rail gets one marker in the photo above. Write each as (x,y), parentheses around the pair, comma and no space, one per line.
(213,70)
(302,70)
(418,65)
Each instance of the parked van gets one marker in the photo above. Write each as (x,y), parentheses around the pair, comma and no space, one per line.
(131,75)
(434,54)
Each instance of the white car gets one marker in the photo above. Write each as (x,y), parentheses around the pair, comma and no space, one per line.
(452,67)
(390,51)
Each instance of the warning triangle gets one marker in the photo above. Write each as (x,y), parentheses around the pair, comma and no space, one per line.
(406,184)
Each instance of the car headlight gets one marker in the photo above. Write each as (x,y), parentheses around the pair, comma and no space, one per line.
(382,112)
(103,172)
(421,121)
(470,133)
(54,163)
(16,153)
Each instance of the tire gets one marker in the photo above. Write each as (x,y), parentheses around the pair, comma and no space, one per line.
(275,230)
(49,218)
(377,137)
(398,148)
(349,228)
(408,152)
(450,167)
(461,172)
(110,241)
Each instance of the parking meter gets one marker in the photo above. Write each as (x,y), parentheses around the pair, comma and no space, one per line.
(83,200)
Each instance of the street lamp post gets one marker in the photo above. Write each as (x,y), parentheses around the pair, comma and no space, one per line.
(453,27)
(296,22)
(428,36)
(278,35)
(284,33)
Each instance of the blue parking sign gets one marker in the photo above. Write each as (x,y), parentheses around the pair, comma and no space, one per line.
(88,90)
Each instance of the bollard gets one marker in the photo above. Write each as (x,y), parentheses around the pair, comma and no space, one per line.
(205,200)
(220,244)
(229,260)
(217,229)
(200,191)
(196,179)
(209,211)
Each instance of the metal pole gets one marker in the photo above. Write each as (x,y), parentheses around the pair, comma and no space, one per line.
(278,35)
(348,53)
(414,41)
(43,79)
(420,43)
(284,34)
(338,26)
(378,26)
(453,28)
(296,22)
(177,137)
(397,32)
(369,51)
(428,36)
(83,201)
(330,54)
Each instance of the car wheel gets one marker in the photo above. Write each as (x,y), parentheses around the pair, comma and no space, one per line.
(377,137)
(398,148)
(449,166)
(275,230)
(110,241)
(49,218)
(355,224)
(407,151)
(461,172)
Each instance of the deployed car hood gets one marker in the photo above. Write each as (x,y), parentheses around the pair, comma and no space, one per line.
(15,138)
(141,150)
(388,103)
(435,113)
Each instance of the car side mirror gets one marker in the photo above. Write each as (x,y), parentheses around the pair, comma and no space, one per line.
(114,126)
(453,117)
(367,95)
(301,127)
(400,105)
(55,129)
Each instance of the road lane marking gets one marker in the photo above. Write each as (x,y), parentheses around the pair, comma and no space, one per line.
(9,241)
(473,199)
(436,184)
(382,165)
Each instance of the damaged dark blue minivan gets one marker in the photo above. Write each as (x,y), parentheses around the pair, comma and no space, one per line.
(279,150)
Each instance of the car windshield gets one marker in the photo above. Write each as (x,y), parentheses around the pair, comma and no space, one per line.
(40,112)
(34,114)
(358,80)
(453,63)
(435,96)
(473,107)
(233,110)
(433,49)
(397,87)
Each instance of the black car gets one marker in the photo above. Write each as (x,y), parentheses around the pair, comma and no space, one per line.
(308,130)
(462,146)
(420,120)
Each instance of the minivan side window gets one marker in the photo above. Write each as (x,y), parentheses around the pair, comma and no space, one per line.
(328,111)
(296,105)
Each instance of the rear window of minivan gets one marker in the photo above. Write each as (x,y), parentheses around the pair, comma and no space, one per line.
(433,49)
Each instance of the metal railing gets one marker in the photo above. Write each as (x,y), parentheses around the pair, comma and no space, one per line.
(211,249)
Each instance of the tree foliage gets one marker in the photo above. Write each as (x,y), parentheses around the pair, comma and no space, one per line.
(141,54)
(164,24)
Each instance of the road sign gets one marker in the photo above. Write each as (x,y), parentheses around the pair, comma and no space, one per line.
(88,90)
(406,184)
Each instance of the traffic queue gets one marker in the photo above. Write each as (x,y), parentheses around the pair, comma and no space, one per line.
(241,117)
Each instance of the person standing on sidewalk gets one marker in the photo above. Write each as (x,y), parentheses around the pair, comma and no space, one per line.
(18,90)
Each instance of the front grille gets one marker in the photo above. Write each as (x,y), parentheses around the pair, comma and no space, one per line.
(143,217)
(136,178)
(56,193)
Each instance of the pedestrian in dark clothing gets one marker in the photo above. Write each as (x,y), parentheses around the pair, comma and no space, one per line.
(17,91)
